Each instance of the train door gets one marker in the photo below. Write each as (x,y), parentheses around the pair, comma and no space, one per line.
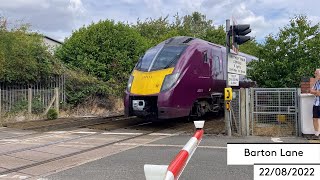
(205,64)
(204,75)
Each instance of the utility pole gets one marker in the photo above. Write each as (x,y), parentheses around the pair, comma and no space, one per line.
(226,108)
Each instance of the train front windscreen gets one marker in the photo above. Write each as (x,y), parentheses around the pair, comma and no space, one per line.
(160,57)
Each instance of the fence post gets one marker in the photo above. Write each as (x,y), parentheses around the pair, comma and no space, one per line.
(298,118)
(243,111)
(0,103)
(29,100)
(56,104)
(248,111)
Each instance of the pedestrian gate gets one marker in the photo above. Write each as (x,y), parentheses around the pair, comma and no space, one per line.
(274,111)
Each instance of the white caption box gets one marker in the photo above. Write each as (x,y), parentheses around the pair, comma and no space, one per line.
(273,153)
(287,172)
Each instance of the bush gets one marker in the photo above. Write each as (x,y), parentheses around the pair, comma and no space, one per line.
(52,114)
(37,106)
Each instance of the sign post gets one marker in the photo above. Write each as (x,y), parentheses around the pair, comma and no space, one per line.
(227,113)
(236,65)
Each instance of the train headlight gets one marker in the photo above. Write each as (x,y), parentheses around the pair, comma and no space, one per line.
(169,81)
(130,83)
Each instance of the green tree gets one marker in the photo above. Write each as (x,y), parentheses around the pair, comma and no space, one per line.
(194,25)
(251,47)
(155,30)
(23,56)
(286,57)
(106,50)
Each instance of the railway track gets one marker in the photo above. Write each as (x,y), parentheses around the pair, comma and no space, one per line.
(151,127)
(39,127)
(65,123)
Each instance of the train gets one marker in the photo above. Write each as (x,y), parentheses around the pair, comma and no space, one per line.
(180,77)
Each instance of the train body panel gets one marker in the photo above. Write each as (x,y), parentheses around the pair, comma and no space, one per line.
(184,76)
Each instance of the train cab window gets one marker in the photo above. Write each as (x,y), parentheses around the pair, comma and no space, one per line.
(160,57)
(145,61)
(205,57)
(168,57)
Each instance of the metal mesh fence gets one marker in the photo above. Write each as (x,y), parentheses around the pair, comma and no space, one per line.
(274,111)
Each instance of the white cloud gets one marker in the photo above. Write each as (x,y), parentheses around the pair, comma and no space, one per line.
(76,6)
(45,16)
(258,24)
(60,17)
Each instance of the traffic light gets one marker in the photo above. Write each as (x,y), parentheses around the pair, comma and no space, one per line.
(239,33)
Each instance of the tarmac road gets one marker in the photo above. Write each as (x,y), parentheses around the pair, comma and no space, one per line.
(209,162)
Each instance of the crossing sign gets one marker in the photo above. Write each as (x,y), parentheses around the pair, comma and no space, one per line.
(237,64)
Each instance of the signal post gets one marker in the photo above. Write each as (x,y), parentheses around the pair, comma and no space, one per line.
(238,34)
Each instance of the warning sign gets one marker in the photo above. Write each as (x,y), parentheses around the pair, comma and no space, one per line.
(237,64)
(233,79)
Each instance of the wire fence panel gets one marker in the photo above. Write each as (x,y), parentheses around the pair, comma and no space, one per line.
(15,98)
(274,111)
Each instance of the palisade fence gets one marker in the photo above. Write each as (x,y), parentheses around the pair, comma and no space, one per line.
(34,98)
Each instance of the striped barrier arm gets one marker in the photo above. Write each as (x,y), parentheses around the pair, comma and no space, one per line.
(177,165)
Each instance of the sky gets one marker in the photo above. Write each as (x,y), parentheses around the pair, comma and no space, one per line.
(58,18)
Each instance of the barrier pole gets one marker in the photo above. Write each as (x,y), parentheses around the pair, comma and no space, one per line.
(177,165)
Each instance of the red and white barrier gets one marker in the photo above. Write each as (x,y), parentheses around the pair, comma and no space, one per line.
(177,165)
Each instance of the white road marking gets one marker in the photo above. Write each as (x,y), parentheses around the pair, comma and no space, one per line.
(57,132)
(276,139)
(13,176)
(9,140)
(119,133)
(168,145)
(162,134)
(84,132)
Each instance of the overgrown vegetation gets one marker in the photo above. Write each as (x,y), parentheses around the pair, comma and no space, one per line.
(99,57)
(23,57)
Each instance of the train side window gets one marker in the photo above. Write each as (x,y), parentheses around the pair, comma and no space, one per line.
(205,57)
(216,66)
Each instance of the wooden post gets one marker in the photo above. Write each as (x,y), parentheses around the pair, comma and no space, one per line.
(0,104)
(29,100)
(49,106)
(56,104)
(243,111)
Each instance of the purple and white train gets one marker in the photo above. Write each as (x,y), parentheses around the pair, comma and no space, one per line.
(182,76)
